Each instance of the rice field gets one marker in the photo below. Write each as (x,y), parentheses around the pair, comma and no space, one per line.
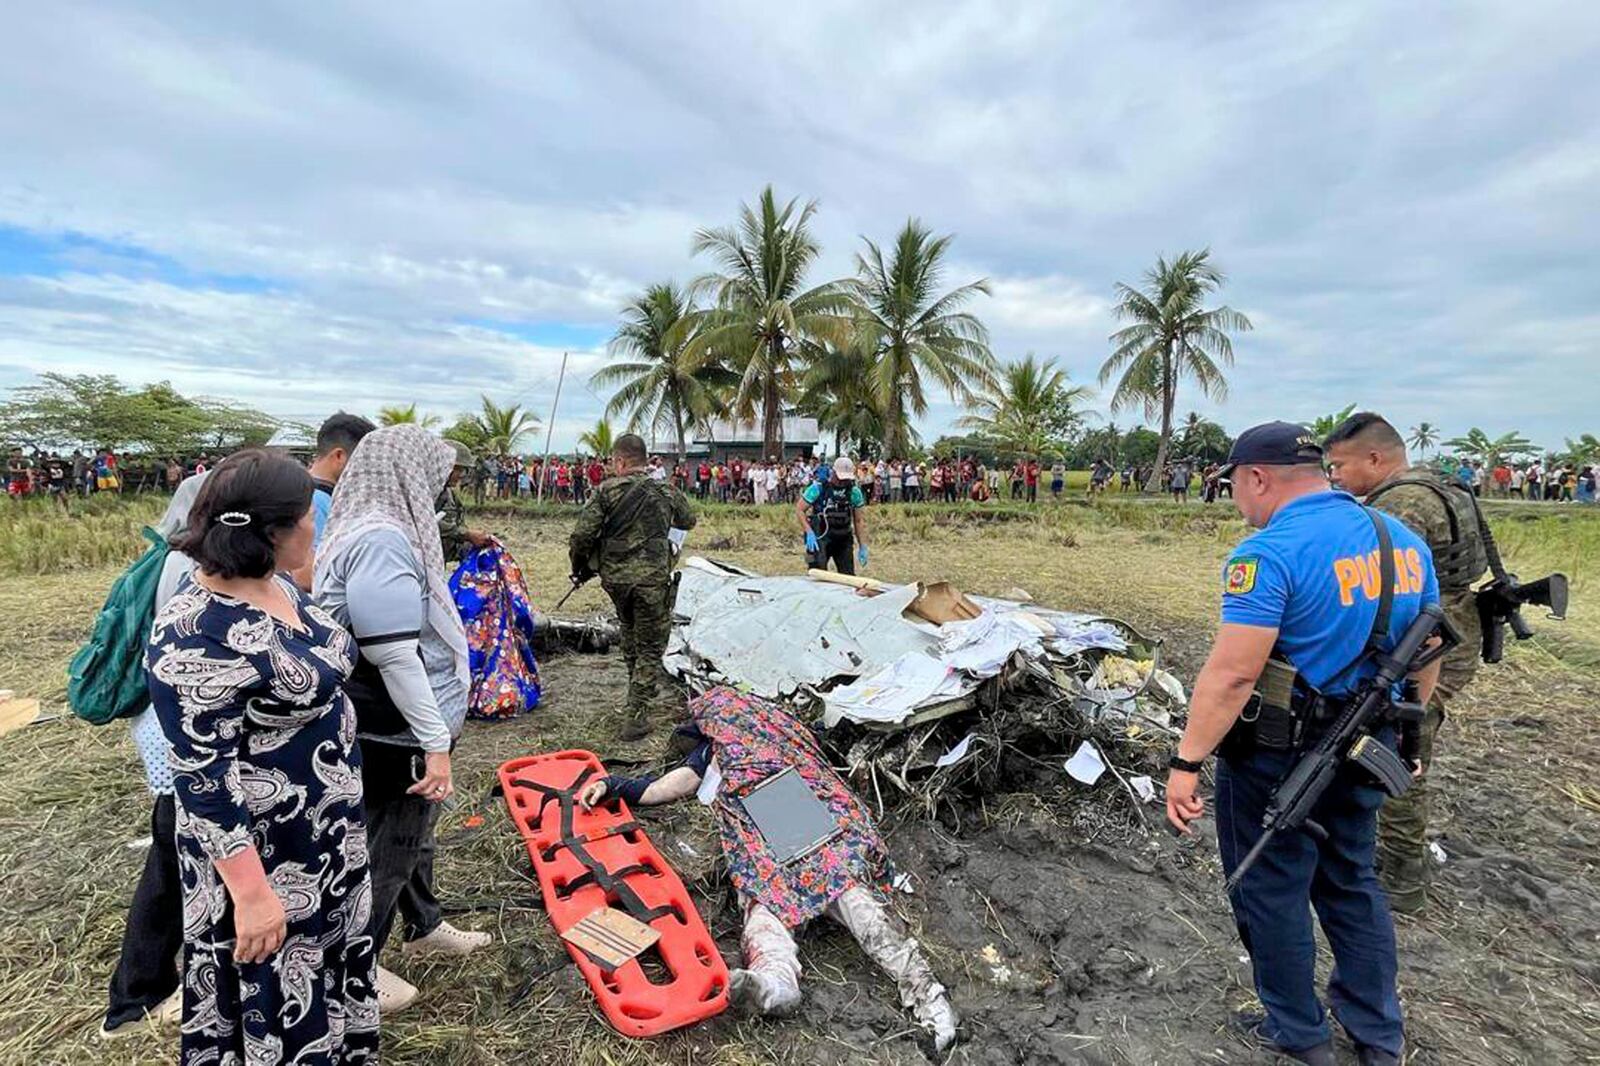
(1501,972)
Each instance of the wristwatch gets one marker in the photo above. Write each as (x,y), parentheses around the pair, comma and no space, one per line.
(1178,762)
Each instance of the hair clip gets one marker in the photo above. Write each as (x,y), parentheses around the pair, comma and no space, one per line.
(234,518)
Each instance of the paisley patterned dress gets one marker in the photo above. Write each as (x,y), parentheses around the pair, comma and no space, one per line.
(264,752)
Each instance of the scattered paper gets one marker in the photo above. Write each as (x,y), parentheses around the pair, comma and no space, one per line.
(683,846)
(1086,766)
(902,883)
(140,844)
(1145,787)
(1438,851)
(955,754)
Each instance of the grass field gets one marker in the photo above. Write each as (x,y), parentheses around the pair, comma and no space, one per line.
(1503,970)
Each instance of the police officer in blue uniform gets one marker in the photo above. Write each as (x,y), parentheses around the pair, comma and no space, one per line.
(1300,608)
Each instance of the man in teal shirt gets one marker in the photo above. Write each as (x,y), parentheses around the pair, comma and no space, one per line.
(831,514)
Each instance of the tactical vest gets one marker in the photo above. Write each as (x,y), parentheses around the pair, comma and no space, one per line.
(833,513)
(1465,560)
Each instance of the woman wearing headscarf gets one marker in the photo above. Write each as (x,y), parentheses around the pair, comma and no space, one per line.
(145,981)
(380,571)
(247,676)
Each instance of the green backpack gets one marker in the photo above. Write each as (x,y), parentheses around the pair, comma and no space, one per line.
(106,679)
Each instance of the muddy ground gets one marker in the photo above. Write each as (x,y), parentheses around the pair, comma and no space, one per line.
(1067,930)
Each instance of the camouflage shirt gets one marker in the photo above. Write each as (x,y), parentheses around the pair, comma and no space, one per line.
(452,524)
(1424,512)
(624,536)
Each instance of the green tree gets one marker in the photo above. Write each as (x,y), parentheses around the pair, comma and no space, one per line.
(1584,451)
(1477,444)
(97,410)
(910,330)
(1171,336)
(500,429)
(598,440)
(1323,425)
(1203,439)
(666,387)
(763,322)
(467,430)
(396,415)
(1031,406)
(837,390)
(1424,435)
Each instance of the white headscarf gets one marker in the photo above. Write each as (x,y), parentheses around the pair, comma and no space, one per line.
(176,519)
(393,478)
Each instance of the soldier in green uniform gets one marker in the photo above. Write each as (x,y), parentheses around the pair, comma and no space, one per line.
(622,535)
(1367,457)
(453,532)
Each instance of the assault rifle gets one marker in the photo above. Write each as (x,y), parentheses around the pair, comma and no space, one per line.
(1350,737)
(1500,601)
(1500,605)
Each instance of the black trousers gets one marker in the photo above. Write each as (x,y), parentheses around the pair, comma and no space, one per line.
(841,551)
(400,842)
(147,970)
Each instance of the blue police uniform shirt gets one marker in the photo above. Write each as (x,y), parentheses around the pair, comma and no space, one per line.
(1313,575)
(321,508)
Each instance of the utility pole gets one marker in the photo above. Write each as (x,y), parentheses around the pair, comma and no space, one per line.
(549,430)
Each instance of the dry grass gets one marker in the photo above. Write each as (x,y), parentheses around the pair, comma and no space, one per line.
(1481,976)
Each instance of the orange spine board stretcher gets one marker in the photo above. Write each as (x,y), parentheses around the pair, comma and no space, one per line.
(599,858)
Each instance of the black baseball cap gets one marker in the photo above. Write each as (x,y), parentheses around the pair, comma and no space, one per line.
(1273,444)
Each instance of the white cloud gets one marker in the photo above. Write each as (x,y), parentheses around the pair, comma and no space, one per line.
(1403,197)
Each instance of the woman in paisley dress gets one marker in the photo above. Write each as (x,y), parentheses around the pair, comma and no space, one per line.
(246,676)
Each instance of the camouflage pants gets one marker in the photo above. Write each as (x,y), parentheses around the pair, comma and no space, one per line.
(1404,865)
(644,613)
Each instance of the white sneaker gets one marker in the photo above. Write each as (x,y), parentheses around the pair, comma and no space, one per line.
(446,940)
(395,993)
(168,1012)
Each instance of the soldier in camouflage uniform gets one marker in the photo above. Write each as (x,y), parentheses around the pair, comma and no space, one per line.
(622,535)
(454,535)
(1367,457)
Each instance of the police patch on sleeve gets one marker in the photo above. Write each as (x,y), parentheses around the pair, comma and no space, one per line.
(1240,576)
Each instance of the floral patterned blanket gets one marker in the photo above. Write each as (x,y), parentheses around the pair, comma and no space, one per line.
(753,739)
(498,616)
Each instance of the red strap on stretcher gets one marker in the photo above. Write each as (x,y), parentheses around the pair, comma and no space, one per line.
(601,857)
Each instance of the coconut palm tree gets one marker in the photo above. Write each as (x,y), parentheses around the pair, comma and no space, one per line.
(1030,407)
(498,429)
(665,388)
(598,440)
(1171,336)
(838,392)
(763,322)
(1203,438)
(1424,435)
(910,331)
(395,415)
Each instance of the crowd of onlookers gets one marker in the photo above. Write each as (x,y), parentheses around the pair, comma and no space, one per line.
(41,473)
(1551,479)
(570,479)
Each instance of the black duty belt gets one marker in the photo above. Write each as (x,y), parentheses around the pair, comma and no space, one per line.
(611,881)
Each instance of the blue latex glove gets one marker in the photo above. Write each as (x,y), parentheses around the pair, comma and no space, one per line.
(811,540)
(861,555)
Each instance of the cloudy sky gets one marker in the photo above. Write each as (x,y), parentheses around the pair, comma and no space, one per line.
(313,206)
